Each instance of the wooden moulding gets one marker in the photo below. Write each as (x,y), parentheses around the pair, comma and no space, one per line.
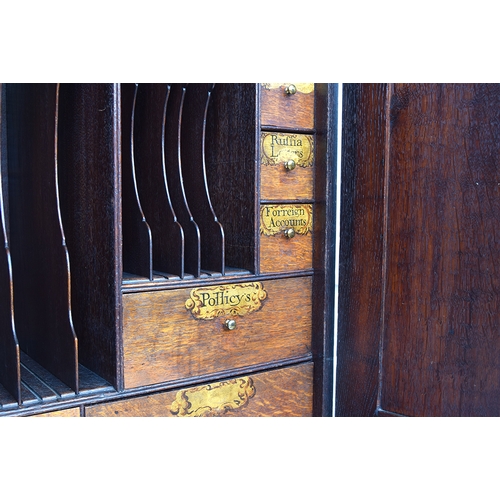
(278,109)
(286,392)
(164,341)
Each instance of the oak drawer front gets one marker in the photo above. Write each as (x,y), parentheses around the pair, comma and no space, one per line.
(70,412)
(282,109)
(286,392)
(286,237)
(287,166)
(165,336)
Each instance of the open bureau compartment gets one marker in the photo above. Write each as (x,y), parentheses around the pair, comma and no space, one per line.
(169,249)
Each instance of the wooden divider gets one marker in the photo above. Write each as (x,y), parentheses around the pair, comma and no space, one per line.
(154,192)
(40,260)
(137,237)
(192,148)
(10,371)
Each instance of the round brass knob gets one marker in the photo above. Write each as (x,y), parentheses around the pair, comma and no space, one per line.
(290,89)
(289,165)
(230,324)
(289,233)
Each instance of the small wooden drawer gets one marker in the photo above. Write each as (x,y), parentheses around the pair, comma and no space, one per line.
(70,412)
(286,392)
(174,334)
(287,166)
(281,109)
(286,237)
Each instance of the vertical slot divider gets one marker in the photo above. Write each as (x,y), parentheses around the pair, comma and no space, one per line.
(149,146)
(40,260)
(10,356)
(90,200)
(137,237)
(175,180)
(193,135)
(231,156)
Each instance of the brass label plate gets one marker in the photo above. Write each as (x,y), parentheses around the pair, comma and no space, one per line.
(303,88)
(232,300)
(275,219)
(214,399)
(277,148)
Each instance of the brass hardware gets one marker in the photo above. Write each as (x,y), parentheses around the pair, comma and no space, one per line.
(290,89)
(213,400)
(276,219)
(289,233)
(230,324)
(289,165)
(212,302)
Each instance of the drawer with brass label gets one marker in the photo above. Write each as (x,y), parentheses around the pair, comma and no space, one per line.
(287,166)
(285,237)
(286,392)
(175,334)
(289,105)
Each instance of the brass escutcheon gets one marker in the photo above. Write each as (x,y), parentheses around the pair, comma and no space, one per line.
(290,89)
(289,165)
(230,324)
(289,233)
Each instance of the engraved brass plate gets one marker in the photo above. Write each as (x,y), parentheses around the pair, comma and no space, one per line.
(303,88)
(234,300)
(275,219)
(278,148)
(213,400)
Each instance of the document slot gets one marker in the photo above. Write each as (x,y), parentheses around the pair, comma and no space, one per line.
(175,180)
(154,192)
(193,128)
(137,238)
(10,371)
(40,260)
(230,155)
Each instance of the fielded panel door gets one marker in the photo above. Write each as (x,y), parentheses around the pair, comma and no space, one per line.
(419,306)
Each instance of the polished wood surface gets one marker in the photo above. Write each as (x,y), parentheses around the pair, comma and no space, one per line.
(162,341)
(70,412)
(285,392)
(419,275)
(281,254)
(361,248)
(286,111)
(277,183)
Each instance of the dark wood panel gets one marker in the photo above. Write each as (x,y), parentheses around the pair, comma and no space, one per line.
(89,174)
(10,375)
(361,249)
(442,313)
(40,261)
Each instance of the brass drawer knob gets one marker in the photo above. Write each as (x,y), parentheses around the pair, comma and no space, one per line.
(289,165)
(290,89)
(289,233)
(230,324)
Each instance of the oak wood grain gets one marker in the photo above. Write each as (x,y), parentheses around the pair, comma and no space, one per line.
(162,341)
(286,111)
(285,392)
(281,254)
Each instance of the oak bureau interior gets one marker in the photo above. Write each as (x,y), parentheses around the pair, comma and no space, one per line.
(169,249)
